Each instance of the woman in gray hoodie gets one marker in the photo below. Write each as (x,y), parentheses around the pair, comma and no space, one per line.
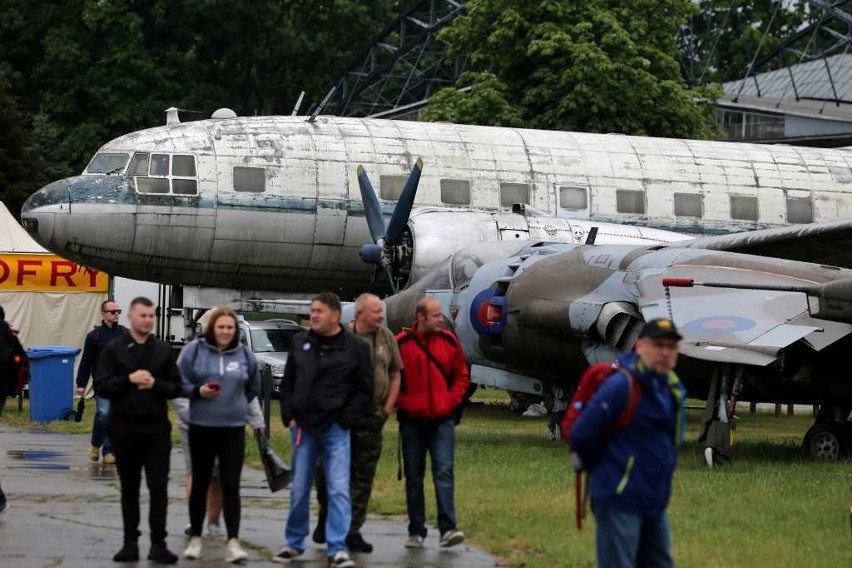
(220,378)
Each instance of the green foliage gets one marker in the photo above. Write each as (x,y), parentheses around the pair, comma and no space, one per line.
(595,66)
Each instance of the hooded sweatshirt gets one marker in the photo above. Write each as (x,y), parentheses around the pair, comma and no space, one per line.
(237,373)
(631,469)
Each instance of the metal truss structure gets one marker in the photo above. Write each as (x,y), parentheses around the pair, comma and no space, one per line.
(403,66)
(829,35)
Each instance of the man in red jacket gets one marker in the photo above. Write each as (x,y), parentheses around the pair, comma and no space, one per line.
(434,382)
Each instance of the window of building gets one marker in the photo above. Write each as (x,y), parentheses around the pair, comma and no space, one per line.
(687,205)
(800,210)
(390,187)
(743,208)
(249,179)
(630,201)
(573,197)
(455,192)
(511,193)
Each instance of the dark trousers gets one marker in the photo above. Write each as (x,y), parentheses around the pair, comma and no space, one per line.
(439,440)
(142,443)
(205,445)
(366,448)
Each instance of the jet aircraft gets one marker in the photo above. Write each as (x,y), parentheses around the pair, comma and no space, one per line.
(533,315)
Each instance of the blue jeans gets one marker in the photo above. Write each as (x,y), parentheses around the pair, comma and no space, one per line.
(625,540)
(99,428)
(335,448)
(439,439)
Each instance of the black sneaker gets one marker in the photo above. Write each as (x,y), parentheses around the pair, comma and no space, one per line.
(162,555)
(287,555)
(128,553)
(319,533)
(356,543)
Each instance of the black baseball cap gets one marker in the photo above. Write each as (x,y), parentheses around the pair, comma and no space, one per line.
(660,328)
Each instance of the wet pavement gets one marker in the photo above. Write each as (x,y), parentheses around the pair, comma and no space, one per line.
(64,511)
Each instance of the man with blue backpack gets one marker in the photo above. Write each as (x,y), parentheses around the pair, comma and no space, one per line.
(627,437)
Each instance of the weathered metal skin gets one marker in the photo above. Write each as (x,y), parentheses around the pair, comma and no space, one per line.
(303,231)
(537,312)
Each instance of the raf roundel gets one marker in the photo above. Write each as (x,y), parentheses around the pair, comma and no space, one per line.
(719,324)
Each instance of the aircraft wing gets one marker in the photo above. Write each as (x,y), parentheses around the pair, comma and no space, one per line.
(821,243)
(740,326)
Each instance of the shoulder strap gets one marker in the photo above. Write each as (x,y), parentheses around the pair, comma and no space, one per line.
(431,358)
(633,397)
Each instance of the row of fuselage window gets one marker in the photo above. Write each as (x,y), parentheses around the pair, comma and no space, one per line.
(176,174)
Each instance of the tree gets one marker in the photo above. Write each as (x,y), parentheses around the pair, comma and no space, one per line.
(18,174)
(594,66)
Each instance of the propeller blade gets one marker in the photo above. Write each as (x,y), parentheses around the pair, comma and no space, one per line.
(371,206)
(399,219)
(389,272)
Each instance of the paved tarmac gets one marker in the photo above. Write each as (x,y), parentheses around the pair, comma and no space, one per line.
(64,511)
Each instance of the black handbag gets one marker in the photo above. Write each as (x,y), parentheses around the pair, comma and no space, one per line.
(277,472)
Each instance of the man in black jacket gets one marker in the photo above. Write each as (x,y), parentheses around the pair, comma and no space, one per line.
(138,375)
(93,346)
(327,386)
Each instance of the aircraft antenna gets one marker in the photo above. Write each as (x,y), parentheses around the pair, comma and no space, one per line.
(298,104)
(316,112)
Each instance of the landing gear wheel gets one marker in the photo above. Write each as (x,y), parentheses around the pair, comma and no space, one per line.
(824,441)
(69,415)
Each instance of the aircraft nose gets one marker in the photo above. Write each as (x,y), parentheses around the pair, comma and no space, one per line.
(43,214)
(54,196)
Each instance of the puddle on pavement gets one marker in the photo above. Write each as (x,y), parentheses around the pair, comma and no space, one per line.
(53,461)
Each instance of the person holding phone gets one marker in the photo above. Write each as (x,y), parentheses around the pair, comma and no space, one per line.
(220,377)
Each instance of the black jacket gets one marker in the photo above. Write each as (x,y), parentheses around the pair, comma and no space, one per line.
(93,346)
(326,379)
(124,356)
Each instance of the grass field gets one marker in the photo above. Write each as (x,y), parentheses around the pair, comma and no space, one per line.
(514,493)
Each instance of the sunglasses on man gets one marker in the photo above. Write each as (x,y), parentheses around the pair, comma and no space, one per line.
(113,312)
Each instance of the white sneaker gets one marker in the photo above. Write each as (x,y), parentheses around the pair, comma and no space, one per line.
(340,560)
(235,552)
(414,541)
(451,538)
(193,549)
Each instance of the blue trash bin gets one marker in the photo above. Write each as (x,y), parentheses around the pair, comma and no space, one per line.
(51,382)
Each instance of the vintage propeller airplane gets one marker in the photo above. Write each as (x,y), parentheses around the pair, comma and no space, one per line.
(265,203)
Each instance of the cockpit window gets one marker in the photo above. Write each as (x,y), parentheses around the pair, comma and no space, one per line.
(107,163)
(159,164)
(153,173)
(139,165)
